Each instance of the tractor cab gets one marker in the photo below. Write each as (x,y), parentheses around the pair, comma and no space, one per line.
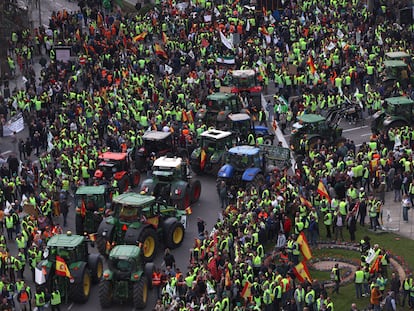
(217,107)
(128,207)
(165,168)
(124,259)
(244,157)
(110,163)
(245,81)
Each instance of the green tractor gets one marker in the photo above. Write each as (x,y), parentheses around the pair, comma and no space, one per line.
(397,69)
(397,112)
(172,182)
(213,143)
(127,279)
(69,267)
(91,204)
(138,219)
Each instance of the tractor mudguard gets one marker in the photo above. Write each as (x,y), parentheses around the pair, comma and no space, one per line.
(260,129)
(119,175)
(108,275)
(250,173)
(133,233)
(77,269)
(178,190)
(226,171)
(148,186)
(168,222)
(105,229)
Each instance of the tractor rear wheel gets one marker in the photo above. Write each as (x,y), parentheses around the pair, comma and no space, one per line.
(81,287)
(140,293)
(105,294)
(149,269)
(79,225)
(174,235)
(96,266)
(185,200)
(149,242)
(195,191)
(135,178)
(123,184)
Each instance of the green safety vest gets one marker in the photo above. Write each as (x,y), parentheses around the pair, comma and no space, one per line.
(359,277)
(55,299)
(9,222)
(40,299)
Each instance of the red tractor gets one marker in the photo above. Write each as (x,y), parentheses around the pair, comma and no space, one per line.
(117,166)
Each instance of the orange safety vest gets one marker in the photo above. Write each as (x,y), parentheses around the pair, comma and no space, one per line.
(23,297)
(156,279)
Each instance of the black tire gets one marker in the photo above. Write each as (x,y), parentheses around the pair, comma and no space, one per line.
(79,225)
(257,181)
(135,178)
(268,141)
(105,294)
(185,200)
(174,235)
(149,241)
(97,219)
(95,264)
(101,245)
(79,290)
(195,191)
(149,269)
(140,295)
(196,169)
(123,184)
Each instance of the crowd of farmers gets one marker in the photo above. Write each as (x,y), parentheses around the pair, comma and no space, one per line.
(134,72)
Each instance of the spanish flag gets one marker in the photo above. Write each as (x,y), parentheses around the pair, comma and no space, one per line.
(140,37)
(160,51)
(305,202)
(304,246)
(164,38)
(203,157)
(302,273)
(311,64)
(246,292)
(375,265)
(323,192)
(83,209)
(61,267)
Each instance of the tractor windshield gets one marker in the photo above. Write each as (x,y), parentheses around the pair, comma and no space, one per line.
(158,146)
(240,162)
(92,202)
(127,212)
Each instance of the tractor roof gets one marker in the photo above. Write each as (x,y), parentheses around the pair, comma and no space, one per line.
(125,252)
(114,156)
(400,100)
(244,150)
(220,96)
(216,134)
(133,199)
(311,118)
(90,190)
(397,55)
(155,135)
(237,117)
(168,162)
(243,73)
(394,63)
(65,240)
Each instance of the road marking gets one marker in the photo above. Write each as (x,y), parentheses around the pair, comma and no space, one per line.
(358,145)
(369,134)
(70,306)
(355,128)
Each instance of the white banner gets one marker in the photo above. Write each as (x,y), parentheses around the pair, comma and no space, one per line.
(228,44)
(15,124)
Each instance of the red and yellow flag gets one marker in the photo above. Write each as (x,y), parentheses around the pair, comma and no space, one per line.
(61,267)
(302,273)
(140,37)
(246,292)
(164,37)
(305,202)
(83,209)
(188,210)
(160,51)
(311,64)
(304,246)
(323,192)
(203,157)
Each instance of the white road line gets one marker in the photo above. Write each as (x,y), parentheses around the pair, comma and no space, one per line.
(70,306)
(355,128)
(369,134)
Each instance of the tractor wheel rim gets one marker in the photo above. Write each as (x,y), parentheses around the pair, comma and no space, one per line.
(178,235)
(149,246)
(86,284)
(99,270)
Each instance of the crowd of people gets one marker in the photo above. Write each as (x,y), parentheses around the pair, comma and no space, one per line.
(129,73)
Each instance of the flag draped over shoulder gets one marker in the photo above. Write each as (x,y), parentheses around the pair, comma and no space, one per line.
(61,267)
(304,246)
(302,273)
(83,209)
(305,202)
(203,157)
(311,64)
(246,292)
(160,51)
(323,192)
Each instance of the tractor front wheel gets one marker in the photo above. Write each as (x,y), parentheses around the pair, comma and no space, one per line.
(105,294)
(96,266)
(174,235)
(149,242)
(141,293)
(81,287)
(101,245)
